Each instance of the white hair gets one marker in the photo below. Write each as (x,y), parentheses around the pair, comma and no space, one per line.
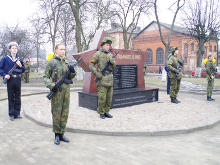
(12,44)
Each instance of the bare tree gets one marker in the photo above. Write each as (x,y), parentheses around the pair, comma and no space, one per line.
(99,14)
(76,5)
(51,10)
(21,36)
(179,5)
(67,25)
(203,22)
(38,34)
(127,13)
(89,15)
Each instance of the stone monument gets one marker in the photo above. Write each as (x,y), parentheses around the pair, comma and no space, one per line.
(129,85)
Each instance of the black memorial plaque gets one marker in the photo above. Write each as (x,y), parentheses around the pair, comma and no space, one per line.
(125,76)
(125,91)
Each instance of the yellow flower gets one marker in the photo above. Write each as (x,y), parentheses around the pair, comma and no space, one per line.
(49,56)
(206,60)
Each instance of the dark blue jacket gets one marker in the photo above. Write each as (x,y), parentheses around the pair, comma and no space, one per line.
(6,64)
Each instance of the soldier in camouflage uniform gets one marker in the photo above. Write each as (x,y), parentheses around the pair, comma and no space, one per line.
(55,68)
(175,65)
(27,72)
(210,70)
(105,82)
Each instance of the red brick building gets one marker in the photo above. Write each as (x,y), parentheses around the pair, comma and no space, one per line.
(148,39)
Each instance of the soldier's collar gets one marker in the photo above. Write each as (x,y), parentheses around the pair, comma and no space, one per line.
(103,50)
(59,58)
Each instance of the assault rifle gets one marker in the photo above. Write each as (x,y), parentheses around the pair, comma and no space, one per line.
(179,67)
(5,80)
(62,79)
(106,67)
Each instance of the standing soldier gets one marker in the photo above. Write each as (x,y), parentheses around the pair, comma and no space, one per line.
(55,68)
(27,72)
(175,65)
(210,70)
(14,80)
(105,82)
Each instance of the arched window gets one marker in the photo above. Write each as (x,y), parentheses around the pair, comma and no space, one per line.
(185,52)
(159,56)
(192,47)
(185,49)
(149,56)
(215,48)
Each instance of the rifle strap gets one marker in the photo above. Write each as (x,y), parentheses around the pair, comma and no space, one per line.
(54,69)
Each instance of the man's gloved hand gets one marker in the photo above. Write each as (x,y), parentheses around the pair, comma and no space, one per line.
(54,87)
(111,61)
(99,75)
(71,68)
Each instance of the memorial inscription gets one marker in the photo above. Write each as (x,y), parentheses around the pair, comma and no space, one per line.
(125,76)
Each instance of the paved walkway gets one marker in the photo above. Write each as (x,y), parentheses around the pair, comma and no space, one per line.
(157,118)
(25,143)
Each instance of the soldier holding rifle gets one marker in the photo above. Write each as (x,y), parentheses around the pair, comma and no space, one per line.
(60,98)
(104,76)
(11,67)
(211,71)
(175,65)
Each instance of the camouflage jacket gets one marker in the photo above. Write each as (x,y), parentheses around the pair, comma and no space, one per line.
(27,68)
(55,68)
(100,58)
(174,65)
(210,68)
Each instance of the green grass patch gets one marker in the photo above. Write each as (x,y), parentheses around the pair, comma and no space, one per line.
(156,80)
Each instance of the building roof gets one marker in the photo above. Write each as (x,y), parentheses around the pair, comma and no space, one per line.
(116,28)
(176,29)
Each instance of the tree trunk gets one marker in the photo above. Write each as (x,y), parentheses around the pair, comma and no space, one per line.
(200,53)
(76,13)
(125,38)
(166,54)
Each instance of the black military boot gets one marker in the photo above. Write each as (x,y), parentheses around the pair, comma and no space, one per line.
(63,138)
(57,139)
(178,100)
(108,115)
(102,116)
(173,100)
(209,99)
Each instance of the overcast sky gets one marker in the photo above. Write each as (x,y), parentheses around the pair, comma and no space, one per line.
(13,12)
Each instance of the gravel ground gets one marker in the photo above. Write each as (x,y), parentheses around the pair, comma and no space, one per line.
(149,117)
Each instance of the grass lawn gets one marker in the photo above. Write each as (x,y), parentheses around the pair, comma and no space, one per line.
(156,80)
(36,75)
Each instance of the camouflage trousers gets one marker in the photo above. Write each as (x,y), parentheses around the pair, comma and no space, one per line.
(26,77)
(104,99)
(60,109)
(174,87)
(210,86)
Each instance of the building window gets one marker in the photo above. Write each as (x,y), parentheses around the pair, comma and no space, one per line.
(210,48)
(159,56)
(192,47)
(215,48)
(185,49)
(185,60)
(205,51)
(149,56)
